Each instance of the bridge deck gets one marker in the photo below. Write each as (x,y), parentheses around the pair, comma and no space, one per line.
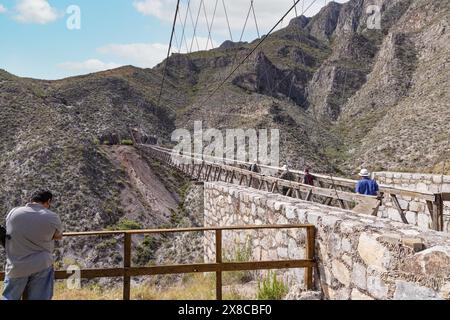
(333,191)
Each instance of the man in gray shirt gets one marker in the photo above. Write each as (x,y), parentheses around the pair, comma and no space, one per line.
(32,230)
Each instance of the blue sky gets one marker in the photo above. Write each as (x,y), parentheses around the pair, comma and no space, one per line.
(36,42)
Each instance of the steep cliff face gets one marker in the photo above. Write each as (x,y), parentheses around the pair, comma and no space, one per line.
(402,110)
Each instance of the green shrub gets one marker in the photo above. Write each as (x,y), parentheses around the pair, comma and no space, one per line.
(270,288)
(145,252)
(241,253)
(127,142)
(126,224)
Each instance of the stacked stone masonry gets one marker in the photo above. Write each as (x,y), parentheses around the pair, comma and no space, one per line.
(415,209)
(358,256)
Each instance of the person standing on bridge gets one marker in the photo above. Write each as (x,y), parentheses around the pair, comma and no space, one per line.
(286,175)
(366,185)
(254,167)
(308,178)
(31,231)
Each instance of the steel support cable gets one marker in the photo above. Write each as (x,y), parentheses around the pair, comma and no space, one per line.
(196,25)
(183,25)
(228,20)
(253,50)
(193,26)
(176,39)
(249,54)
(210,25)
(269,85)
(242,33)
(256,21)
(207,23)
(245,24)
(278,82)
(236,51)
(168,52)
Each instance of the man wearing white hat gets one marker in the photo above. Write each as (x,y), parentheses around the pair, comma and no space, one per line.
(366,185)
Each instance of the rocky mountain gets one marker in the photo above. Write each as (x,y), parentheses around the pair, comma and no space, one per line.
(343,95)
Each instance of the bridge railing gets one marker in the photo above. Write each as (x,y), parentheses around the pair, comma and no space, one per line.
(211,171)
(127,270)
(331,190)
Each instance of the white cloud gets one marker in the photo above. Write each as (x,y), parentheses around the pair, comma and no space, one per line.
(91,65)
(35,11)
(2,8)
(155,8)
(147,55)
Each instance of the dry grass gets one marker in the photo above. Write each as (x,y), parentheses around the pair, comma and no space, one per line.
(193,287)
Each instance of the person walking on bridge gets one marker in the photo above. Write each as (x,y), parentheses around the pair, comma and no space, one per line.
(286,175)
(254,167)
(366,185)
(31,231)
(308,178)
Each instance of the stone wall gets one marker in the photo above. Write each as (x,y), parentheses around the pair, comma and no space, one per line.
(358,256)
(416,210)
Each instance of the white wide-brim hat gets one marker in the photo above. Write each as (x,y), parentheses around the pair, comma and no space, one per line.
(364,173)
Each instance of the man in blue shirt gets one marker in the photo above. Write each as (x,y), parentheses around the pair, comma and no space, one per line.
(366,185)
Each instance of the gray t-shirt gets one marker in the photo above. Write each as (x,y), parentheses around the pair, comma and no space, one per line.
(30,249)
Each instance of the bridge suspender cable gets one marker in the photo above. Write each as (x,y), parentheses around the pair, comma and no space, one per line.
(228,20)
(168,52)
(252,51)
(183,25)
(256,21)
(211,25)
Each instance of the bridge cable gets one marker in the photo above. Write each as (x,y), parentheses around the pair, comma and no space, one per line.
(211,26)
(256,21)
(168,51)
(195,27)
(183,25)
(245,24)
(249,54)
(228,21)
(236,51)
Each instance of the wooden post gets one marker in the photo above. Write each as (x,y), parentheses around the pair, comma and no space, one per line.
(126,265)
(310,244)
(250,181)
(219,174)
(200,171)
(437,213)
(208,172)
(399,208)
(261,183)
(219,261)
(274,186)
(226,176)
